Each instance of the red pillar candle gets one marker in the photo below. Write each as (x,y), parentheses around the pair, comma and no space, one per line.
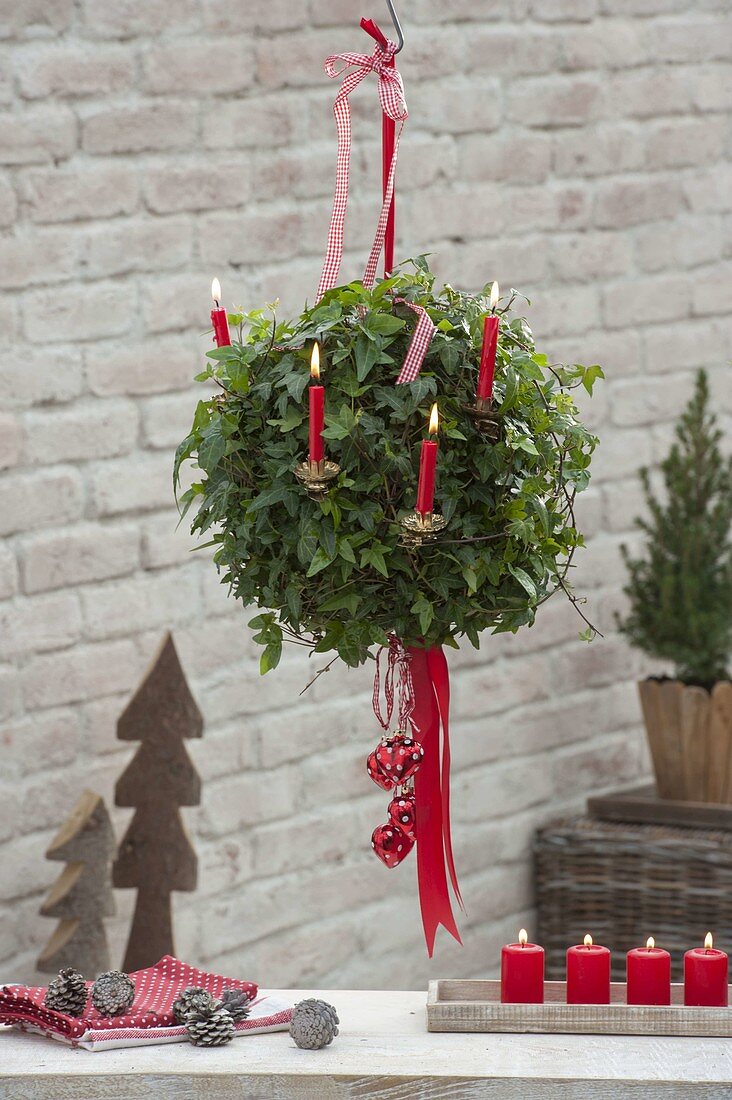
(218,317)
(427,469)
(317,409)
(588,974)
(648,975)
(705,975)
(522,972)
(488,354)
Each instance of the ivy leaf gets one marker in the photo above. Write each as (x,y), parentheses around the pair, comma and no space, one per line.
(424,611)
(307,544)
(269,497)
(590,376)
(270,657)
(374,555)
(367,355)
(292,419)
(321,560)
(524,580)
(382,324)
(212,447)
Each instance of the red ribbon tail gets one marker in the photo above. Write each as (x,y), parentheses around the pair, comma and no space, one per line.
(388,140)
(437,664)
(431,787)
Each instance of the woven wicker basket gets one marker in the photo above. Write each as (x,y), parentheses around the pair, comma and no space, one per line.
(625,882)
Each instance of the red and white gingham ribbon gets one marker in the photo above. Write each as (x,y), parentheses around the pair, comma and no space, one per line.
(423,332)
(393,104)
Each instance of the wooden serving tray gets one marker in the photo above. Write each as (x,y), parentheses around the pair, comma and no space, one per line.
(463,1005)
(642,805)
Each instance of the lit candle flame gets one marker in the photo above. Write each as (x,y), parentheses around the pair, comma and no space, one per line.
(709,941)
(434,420)
(588,940)
(495,295)
(650,943)
(523,936)
(216,291)
(315,362)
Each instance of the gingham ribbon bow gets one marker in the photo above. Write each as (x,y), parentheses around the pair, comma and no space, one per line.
(391,97)
(393,104)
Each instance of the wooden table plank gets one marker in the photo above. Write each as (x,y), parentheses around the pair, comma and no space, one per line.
(384,1052)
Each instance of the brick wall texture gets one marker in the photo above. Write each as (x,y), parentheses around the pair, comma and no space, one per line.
(576,149)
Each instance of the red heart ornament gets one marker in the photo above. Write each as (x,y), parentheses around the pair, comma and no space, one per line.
(394,760)
(391,844)
(403,814)
(372,767)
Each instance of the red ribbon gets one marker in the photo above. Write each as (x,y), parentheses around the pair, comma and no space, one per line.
(430,725)
(388,138)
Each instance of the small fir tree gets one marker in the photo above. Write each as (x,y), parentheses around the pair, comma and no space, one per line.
(82,895)
(681,590)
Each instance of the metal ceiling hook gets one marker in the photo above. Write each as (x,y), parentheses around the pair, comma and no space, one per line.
(397,25)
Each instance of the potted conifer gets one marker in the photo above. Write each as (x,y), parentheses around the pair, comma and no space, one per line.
(680,593)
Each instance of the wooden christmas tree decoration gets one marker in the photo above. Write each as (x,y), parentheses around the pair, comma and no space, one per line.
(82,895)
(155,854)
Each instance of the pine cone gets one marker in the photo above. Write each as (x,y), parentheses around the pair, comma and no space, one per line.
(211,1027)
(314,1024)
(237,1003)
(67,992)
(190,1002)
(113,993)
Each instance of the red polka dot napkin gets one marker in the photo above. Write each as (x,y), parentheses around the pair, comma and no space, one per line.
(150,1018)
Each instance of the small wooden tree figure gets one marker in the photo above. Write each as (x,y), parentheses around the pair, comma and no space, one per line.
(82,895)
(155,854)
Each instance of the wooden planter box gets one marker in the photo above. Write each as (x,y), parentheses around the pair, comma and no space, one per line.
(690,737)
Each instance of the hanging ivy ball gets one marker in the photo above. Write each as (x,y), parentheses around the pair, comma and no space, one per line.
(335,572)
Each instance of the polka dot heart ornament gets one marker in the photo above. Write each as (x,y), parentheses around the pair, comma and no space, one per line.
(403,813)
(390,844)
(394,760)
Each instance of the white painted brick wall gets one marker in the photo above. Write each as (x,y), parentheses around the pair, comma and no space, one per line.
(578,149)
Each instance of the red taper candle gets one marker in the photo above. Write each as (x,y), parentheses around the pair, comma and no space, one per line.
(488,353)
(218,317)
(428,468)
(522,972)
(706,975)
(588,974)
(317,409)
(648,975)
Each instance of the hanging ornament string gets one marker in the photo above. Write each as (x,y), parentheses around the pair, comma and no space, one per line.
(397,680)
(393,104)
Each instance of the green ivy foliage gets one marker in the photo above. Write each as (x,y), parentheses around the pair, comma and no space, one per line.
(334,574)
(681,591)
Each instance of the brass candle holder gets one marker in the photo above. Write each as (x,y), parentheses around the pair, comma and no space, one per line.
(421,527)
(317,477)
(486,420)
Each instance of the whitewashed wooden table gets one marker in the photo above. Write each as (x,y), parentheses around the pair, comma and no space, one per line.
(384,1052)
